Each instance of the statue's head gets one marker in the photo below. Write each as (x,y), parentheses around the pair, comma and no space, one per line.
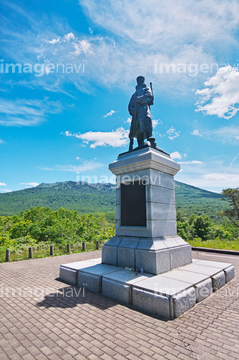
(140,80)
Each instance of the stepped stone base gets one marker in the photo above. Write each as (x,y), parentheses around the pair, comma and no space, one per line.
(146,237)
(69,272)
(155,255)
(169,294)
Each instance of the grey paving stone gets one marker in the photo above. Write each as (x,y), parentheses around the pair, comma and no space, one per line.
(203,289)
(201,269)
(218,281)
(180,255)
(91,277)
(90,282)
(162,285)
(129,277)
(154,262)
(68,272)
(186,276)
(68,275)
(81,264)
(183,301)
(116,290)
(109,255)
(151,302)
(126,257)
(216,264)
(109,251)
(229,273)
(100,269)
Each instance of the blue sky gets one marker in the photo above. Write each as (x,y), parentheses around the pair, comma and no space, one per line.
(63,112)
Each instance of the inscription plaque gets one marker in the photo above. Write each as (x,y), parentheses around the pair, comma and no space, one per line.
(133,204)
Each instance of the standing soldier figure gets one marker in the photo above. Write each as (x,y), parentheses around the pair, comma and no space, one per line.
(139,108)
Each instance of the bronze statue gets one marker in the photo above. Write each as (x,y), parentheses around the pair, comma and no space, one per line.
(139,108)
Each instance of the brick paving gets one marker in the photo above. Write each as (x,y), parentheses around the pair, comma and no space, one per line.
(43,318)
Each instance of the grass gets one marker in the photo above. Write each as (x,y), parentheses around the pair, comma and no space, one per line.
(216,244)
(41,252)
(44,251)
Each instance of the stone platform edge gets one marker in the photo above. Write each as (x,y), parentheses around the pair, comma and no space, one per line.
(168,295)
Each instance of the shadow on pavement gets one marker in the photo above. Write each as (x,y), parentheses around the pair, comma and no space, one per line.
(72,296)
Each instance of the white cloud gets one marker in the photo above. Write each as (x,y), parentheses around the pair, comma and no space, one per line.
(170,24)
(196,133)
(22,112)
(140,37)
(224,181)
(69,36)
(228,134)
(114,138)
(173,32)
(233,160)
(176,155)
(193,162)
(79,45)
(220,97)
(3,184)
(172,133)
(86,166)
(156,122)
(5,190)
(53,41)
(196,162)
(212,175)
(82,46)
(109,113)
(1,141)
(128,120)
(30,184)
(222,177)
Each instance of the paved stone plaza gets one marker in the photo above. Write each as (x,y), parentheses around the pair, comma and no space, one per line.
(42,318)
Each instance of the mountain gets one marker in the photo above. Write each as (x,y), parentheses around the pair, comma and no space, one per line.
(193,200)
(86,198)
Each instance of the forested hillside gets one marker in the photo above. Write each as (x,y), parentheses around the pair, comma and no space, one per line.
(192,200)
(87,198)
(83,197)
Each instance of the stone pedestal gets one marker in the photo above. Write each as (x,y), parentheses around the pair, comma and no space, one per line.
(146,234)
(146,229)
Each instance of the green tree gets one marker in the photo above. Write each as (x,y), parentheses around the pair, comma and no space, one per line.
(20,228)
(184,228)
(181,217)
(202,226)
(232,196)
(59,226)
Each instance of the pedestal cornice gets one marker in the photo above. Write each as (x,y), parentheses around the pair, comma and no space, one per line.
(147,158)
